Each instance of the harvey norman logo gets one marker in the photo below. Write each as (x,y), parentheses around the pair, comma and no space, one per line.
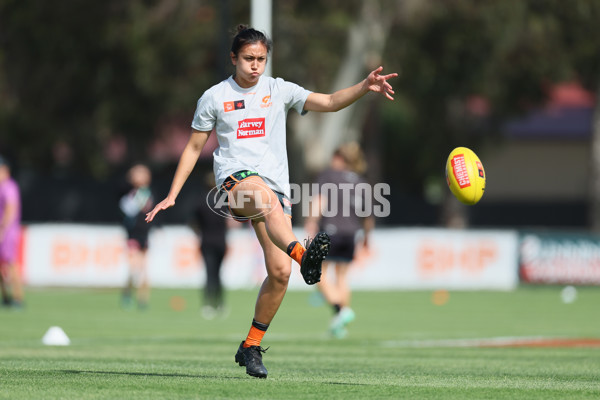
(250,128)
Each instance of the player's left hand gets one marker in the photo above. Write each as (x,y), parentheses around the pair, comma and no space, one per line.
(378,83)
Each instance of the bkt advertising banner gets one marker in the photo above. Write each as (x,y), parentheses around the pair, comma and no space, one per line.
(87,255)
(560,258)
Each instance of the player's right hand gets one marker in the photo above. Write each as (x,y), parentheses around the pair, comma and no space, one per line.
(163,205)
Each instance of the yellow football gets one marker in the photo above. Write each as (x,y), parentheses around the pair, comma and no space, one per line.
(465,175)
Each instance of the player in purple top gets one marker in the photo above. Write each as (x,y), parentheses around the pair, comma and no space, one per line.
(10,228)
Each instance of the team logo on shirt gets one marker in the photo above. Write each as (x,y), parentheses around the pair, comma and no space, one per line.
(250,128)
(266,102)
(234,105)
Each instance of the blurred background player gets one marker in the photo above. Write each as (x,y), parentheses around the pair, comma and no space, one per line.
(134,205)
(343,226)
(10,229)
(211,228)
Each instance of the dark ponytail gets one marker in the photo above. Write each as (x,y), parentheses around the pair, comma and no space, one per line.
(246,35)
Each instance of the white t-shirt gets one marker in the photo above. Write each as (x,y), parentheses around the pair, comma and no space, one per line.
(251,127)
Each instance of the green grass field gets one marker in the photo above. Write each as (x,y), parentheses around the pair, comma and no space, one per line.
(401,345)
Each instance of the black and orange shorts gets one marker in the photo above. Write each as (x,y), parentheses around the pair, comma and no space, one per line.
(232,180)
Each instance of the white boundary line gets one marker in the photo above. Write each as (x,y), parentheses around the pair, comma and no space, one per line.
(503,341)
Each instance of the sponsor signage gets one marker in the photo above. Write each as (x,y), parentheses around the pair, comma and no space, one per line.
(560,258)
(250,128)
(438,259)
(480,169)
(234,105)
(459,168)
(88,255)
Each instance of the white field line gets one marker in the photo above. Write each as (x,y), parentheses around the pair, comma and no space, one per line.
(475,342)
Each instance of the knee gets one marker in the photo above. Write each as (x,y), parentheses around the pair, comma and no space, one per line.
(280,274)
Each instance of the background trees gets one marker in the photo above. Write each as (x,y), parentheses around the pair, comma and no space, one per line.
(88,87)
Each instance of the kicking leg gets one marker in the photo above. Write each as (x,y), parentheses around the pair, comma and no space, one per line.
(253,199)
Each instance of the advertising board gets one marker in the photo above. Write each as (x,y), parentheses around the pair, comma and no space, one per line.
(88,255)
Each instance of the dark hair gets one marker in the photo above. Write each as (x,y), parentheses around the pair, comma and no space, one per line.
(246,35)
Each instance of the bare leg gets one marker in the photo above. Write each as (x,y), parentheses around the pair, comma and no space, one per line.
(15,283)
(279,268)
(327,288)
(143,294)
(254,199)
(3,284)
(138,277)
(343,289)
(251,198)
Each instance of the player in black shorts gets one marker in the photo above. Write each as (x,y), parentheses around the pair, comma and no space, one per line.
(134,205)
(346,166)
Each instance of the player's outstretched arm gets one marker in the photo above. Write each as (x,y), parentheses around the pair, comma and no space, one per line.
(187,161)
(374,82)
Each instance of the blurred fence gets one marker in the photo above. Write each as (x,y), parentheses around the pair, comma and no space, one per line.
(399,258)
(84,255)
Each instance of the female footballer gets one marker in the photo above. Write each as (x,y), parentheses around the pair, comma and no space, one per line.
(247,112)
